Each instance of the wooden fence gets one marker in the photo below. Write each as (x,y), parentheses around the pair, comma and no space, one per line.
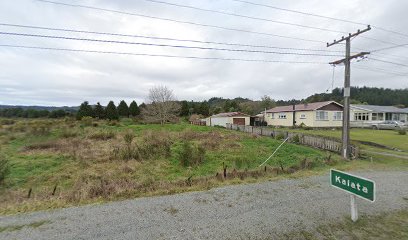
(325,143)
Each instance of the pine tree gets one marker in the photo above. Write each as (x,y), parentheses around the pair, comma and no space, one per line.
(85,110)
(99,111)
(134,109)
(111,111)
(184,108)
(123,109)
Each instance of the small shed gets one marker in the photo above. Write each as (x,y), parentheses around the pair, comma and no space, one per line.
(222,119)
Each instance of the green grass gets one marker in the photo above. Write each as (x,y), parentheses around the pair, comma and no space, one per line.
(94,171)
(392,225)
(387,138)
(19,227)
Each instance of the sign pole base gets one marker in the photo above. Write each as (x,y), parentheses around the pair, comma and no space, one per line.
(353,204)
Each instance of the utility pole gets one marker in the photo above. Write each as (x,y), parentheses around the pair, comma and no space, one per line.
(346,91)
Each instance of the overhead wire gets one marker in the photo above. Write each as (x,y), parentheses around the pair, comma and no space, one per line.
(163,45)
(243,16)
(320,16)
(161,38)
(180,21)
(262,19)
(157,55)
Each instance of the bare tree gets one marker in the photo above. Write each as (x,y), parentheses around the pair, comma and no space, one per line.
(162,105)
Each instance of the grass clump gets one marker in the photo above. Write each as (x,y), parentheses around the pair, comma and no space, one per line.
(4,168)
(67,133)
(402,132)
(102,135)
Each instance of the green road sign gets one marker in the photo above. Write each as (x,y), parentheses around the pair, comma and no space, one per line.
(359,186)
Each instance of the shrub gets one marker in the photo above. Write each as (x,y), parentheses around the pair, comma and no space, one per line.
(86,121)
(295,139)
(280,136)
(40,128)
(67,133)
(191,154)
(402,132)
(4,168)
(101,135)
(7,122)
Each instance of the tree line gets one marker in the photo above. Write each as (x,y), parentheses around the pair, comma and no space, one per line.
(110,112)
(359,95)
(34,113)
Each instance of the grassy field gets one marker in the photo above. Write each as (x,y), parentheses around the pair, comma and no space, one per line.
(391,225)
(387,138)
(59,163)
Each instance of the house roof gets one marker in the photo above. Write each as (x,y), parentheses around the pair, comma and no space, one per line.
(376,108)
(230,114)
(301,107)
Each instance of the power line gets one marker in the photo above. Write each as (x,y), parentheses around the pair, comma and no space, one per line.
(161,38)
(387,48)
(380,70)
(321,16)
(384,61)
(243,16)
(262,19)
(158,55)
(163,45)
(179,21)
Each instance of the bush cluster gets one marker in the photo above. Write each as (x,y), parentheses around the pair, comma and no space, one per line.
(191,154)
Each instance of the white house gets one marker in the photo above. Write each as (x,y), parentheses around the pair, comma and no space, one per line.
(362,115)
(222,119)
(317,114)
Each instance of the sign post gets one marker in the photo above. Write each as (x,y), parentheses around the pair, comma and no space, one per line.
(357,186)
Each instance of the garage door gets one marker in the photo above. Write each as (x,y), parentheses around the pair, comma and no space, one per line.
(238,121)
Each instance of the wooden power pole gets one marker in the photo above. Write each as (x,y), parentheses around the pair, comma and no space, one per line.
(346,90)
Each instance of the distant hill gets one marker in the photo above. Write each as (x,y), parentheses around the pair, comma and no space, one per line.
(48,108)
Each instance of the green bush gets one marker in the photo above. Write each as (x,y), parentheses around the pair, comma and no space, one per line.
(280,136)
(4,168)
(191,154)
(295,139)
(402,132)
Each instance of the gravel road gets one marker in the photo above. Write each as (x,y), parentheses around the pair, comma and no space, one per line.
(252,211)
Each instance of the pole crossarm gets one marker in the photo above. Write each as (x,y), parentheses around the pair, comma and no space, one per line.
(362,54)
(349,36)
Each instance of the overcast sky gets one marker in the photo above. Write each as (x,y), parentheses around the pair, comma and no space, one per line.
(47,77)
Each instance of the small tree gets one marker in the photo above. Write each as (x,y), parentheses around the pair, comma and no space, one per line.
(134,110)
(85,110)
(162,105)
(111,111)
(99,111)
(123,109)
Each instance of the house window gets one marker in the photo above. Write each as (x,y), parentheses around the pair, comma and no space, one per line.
(374,116)
(282,116)
(322,115)
(380,116)
(338,116)
(273,115)
(302,116)
(361,116)
(395,117)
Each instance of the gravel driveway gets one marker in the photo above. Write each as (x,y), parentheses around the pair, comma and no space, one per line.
(255,211)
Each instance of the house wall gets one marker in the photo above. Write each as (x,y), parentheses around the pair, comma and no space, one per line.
(308,118)
(222,121)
